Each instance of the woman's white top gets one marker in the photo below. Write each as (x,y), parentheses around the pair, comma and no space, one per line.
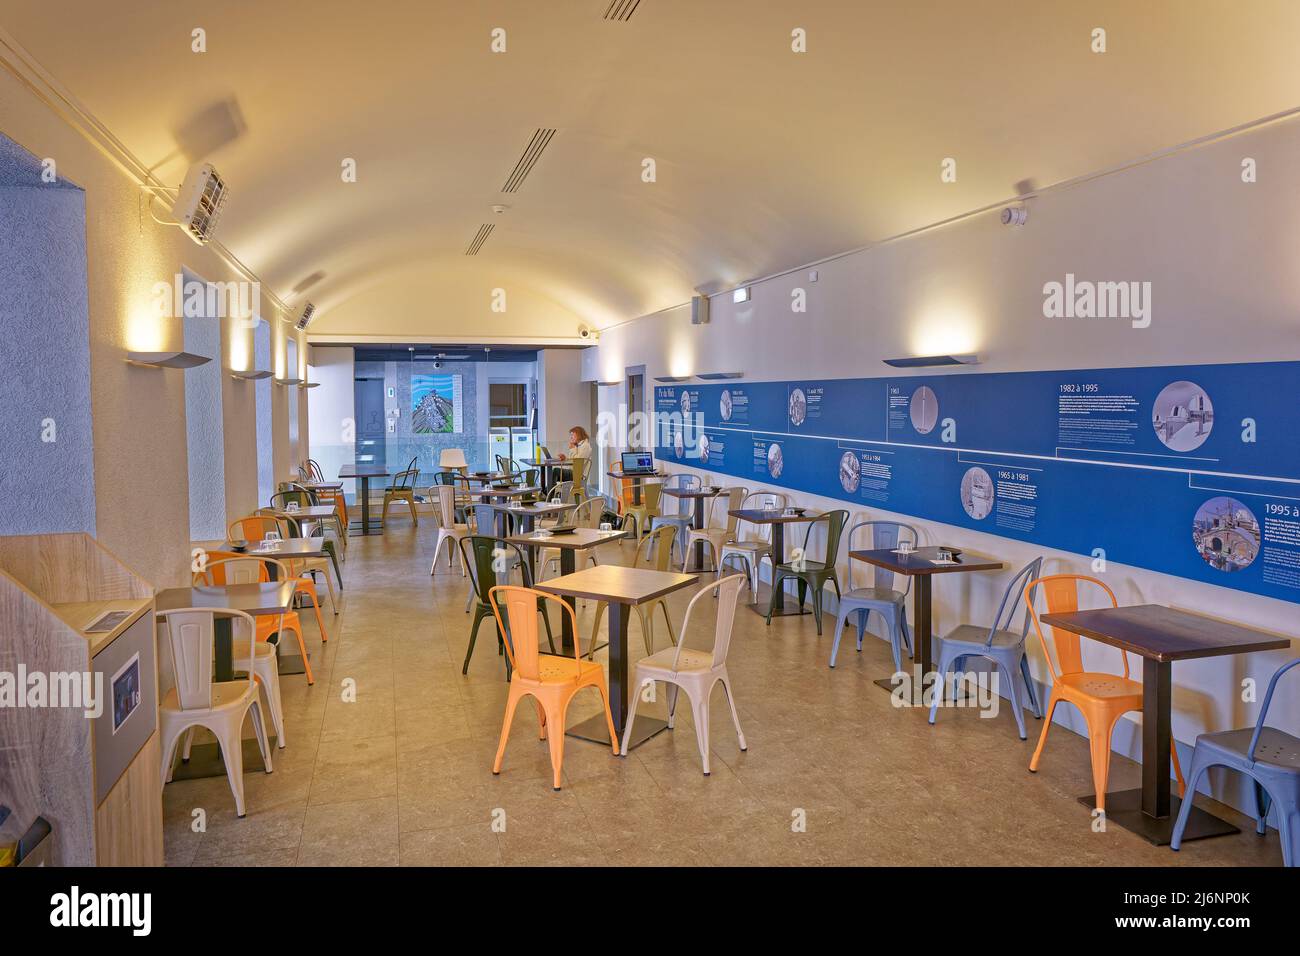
(580,450)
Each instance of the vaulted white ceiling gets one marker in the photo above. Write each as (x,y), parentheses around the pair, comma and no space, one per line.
(765,158)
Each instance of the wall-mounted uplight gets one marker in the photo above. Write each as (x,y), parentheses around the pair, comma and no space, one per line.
(672,379)
(617,381)
(311,384)
(741,294)
(251,375)
(715,376)
(167,359)
(288,381)
(923,361)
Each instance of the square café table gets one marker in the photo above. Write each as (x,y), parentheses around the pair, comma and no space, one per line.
(1161,635)
(271,597)
(777,519)
(921,566)
(621,588)
(580,539)
(363,474)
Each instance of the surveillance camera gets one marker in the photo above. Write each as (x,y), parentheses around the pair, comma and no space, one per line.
(587,332)
(437,365)
(1014,215)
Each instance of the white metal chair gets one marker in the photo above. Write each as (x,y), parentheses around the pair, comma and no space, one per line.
(195,701)
(720,526)
(753,542)
(694,671)
(448,529)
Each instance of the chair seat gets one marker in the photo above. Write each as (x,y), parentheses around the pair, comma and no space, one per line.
(227,695)
(662,662)
(1276,748)
(748,544)
(261,650)
(874,595)
(552,669)
(975,637)
(788,568)
(1104,686)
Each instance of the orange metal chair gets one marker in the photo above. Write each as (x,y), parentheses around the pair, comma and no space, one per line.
(229,567)
(254,528)
(1102,698)
(551,681)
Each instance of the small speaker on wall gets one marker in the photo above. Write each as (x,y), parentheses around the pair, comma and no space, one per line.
(699,310)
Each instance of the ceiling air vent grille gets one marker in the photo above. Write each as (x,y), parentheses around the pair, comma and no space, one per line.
(541,139)
(621,10)
(480,237)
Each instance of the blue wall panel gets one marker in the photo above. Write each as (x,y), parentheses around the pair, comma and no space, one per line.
(1191,470)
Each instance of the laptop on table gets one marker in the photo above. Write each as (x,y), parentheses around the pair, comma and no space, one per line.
(637,463)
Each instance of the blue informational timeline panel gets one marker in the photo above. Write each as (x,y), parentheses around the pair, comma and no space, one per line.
(1189,470)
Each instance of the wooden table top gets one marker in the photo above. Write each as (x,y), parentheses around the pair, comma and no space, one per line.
(778,516)
(272,597)
(322,485)
(617,584)
(286,548)
(920,561)
(692,492)
(514,491)
(364,473)
(1164,633)
(535,508)
(310,513)
(579,540)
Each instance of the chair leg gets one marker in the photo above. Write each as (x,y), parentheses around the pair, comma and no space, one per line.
(334,604)
(437,550)
(671,690)
(334,560)
(1178,771)
(302,649)
(1262,801)
(546,619)
(555,740)
(817,609)
(189,742)
(700,714)
(270,681)
(1029,685)
(947,658)
(473,636)
(647,628)
(841,619)
(631,714)
(595,630)
(609,717)
(1042,738)
(1099,751)
(259,730)
(230,742)
(1017,710)
(1288,828)
(415,518)
(170,739)
(1185,810)
(735,718)
(320,621)
(511,703)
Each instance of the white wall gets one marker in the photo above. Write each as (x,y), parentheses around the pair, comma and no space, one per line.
(1221,257)
(331,425)
(564,399)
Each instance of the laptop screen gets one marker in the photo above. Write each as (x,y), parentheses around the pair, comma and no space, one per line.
(634,461)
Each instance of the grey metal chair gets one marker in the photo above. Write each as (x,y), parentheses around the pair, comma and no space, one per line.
(685,513)
(999,644)
(1270,757)
(882,597)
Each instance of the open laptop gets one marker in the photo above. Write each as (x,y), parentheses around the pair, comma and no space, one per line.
(544,453)
(637,463)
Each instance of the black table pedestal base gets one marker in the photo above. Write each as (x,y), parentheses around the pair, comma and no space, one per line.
(595,729)
(1124,808)
(785,608)
(205,759)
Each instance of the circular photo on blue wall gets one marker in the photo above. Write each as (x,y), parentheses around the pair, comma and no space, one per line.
(775,460)
(724,405)
(1182,416)
(850,472)
(798,407)
(1226,534)
(977,493)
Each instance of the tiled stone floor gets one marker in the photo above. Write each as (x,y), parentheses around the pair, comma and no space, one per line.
(403,774)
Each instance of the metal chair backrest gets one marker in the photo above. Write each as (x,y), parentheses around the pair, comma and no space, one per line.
(759,501)
(835,521)
(683,481)
(487,560)
(882,535)
(517,623)
(446,505)
(1016,590)
(728,590)
(661,537)
(191,634)
(1263,710)
(1061,593)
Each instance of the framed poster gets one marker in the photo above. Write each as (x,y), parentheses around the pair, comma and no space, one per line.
(437,405)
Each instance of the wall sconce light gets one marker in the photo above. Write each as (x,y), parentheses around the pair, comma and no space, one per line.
(715,376)
(922,361)
(167,359)
(250,375)
(670,379)
(741,294)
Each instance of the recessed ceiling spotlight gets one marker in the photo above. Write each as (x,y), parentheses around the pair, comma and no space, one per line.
(1014,215)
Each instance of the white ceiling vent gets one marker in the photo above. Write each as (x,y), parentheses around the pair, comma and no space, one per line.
(532,153)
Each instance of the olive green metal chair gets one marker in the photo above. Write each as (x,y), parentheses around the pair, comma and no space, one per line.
(811,574)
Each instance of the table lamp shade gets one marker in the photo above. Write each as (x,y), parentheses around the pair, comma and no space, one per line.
(452,458)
